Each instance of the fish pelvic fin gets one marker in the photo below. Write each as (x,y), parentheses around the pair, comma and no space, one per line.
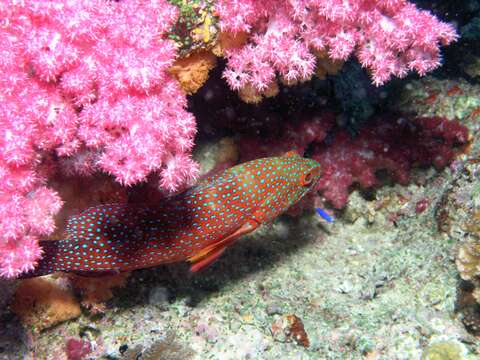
(212,252)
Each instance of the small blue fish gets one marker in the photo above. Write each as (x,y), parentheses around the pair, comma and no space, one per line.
(324,215)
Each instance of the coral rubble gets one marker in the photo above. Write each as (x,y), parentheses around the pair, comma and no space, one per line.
(468,258)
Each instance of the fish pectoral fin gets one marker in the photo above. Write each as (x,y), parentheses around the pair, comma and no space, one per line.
(210,253)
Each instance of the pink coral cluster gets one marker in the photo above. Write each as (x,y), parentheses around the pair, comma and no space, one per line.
(390,143)
(77,349)
(84,87)
(388,37)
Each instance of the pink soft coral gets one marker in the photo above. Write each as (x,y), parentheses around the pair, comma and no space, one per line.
(389,37)
(84,85)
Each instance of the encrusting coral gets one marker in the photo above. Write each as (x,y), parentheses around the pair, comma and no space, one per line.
(77,349)
(44,302)
(196,26)
(468,258)
(444,351)
(192,71)
(95,291)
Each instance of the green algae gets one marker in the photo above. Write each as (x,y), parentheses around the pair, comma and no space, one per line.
(447,350)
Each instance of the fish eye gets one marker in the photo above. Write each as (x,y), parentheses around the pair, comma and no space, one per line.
(307,179)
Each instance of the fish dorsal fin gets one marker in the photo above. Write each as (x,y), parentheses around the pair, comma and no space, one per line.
(211,252)
(214,180)
(291,153)
(208,185)
(72,220)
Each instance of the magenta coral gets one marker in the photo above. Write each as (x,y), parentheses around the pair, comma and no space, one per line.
(389,37)
(389,143)
(392,144)
(77,349)
(84,87)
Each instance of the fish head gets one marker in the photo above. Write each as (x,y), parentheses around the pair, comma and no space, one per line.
(302,175)
(281,182)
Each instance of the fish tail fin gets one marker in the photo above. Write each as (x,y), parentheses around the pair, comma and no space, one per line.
(47,264)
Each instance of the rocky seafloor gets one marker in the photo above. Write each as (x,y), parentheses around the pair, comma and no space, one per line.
(380,282)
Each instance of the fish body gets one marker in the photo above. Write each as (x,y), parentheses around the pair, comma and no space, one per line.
(196,225)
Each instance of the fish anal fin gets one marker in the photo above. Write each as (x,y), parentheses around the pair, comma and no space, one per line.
(211,252)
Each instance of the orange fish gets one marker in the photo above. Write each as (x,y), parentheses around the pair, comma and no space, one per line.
(195,226)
